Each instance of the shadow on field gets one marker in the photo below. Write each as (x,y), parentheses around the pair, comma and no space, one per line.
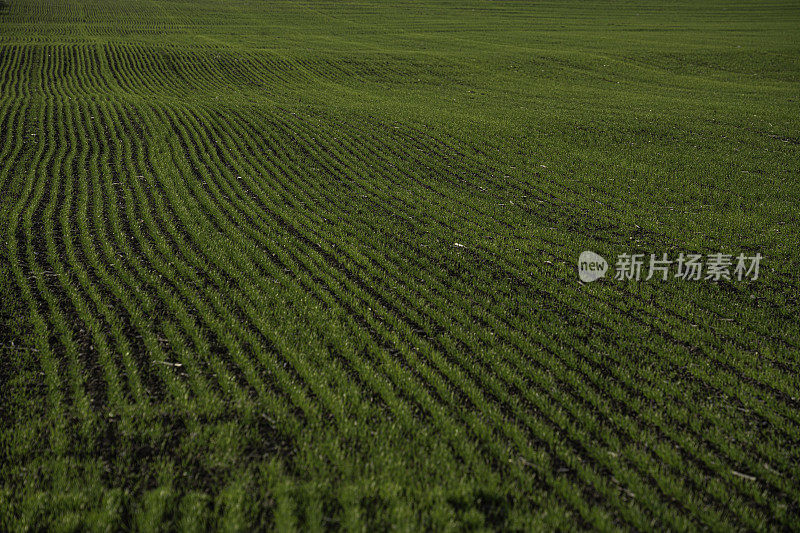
(200,448)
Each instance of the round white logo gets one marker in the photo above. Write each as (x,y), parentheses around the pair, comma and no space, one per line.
(591,266)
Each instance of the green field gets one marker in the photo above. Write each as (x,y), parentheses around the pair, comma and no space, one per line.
(313,265)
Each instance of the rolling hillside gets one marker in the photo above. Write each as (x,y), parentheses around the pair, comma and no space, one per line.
(299,264)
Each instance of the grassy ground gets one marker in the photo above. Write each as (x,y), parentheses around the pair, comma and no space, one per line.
(232,295)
